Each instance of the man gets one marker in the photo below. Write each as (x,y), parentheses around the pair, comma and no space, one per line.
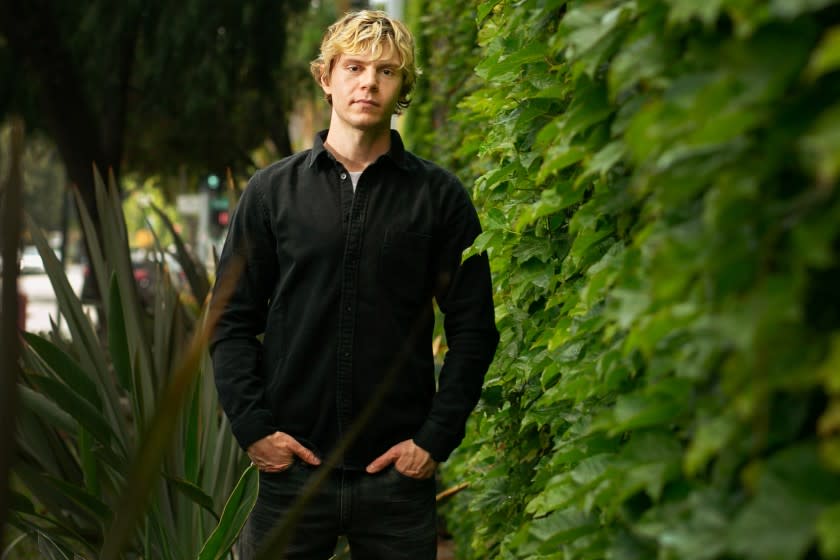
(330,319)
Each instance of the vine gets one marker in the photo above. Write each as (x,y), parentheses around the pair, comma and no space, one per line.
(658,187)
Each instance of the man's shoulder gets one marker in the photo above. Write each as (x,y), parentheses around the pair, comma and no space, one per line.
(275,173)
(435,173)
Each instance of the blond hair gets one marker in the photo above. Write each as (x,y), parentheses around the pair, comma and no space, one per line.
(368,31)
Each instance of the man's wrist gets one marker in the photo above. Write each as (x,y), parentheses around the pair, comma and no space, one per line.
(249,432)
(436,441)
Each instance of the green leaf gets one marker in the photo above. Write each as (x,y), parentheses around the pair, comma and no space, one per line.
(585,240)
(196,275)
(66,368)
(89,463)
(87,416)
(53,493)
(593,33)
(828,531)
(484,9)
(794,8)
(234,515)
(117,337)
(642,59)
(653,406)
(683,11)
(489,240)
(562,526)
(96,508)
(710,437)
(792,491)
(49,410)
(20,503)
(194,493)
(694,528)
(86,341)
(756,532)
(513,62)
(192,437)
(551,201)
(605,159)
(50,549)
(820,147)
(826,57)
(559,157)
(829,369)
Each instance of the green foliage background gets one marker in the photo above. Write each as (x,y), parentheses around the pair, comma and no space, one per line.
(658,186)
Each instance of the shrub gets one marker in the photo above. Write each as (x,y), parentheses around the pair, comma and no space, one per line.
(659,194)
(122,445)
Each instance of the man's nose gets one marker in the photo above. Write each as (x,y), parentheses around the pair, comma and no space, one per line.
(370,78)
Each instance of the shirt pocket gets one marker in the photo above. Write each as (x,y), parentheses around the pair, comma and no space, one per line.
(404,266)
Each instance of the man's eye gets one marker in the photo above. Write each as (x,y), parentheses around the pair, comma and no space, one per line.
(388,72)
(352,68)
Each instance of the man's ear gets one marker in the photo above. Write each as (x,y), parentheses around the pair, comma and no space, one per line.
(325,83)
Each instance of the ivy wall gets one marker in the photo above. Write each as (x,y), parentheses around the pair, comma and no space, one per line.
(658,187)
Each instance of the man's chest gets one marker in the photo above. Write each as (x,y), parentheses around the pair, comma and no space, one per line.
(331,222)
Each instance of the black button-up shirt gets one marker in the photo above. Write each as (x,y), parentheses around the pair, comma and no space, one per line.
(332,313)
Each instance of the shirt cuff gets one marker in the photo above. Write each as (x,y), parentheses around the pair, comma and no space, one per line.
(437,440)
(251,429)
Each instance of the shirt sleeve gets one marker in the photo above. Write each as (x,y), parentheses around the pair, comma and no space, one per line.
(240,298)
(464,294)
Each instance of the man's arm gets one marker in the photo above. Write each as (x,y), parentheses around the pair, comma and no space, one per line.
(247,267)
(465,296)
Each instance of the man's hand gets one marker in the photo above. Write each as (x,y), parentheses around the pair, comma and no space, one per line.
(408,458)
(276,452)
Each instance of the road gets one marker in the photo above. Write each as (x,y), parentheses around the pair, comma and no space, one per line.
(41,303)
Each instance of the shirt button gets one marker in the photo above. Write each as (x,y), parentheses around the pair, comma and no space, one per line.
(343,176)
(348,308)
(347,354)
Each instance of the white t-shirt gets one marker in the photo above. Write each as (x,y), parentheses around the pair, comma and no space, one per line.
(354,177)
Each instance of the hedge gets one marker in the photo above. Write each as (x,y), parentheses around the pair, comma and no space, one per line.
(658,186)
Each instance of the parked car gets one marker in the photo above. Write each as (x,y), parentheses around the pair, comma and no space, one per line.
(30,261)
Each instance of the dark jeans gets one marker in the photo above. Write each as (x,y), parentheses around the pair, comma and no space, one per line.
(385,516)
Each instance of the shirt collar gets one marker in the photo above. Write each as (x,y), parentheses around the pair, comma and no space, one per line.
(396,153)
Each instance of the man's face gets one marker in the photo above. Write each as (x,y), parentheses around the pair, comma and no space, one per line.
(365,90)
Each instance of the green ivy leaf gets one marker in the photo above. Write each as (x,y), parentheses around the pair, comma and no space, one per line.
(709,438)
(558,158)
(511,63)
(794,8)
(820,148)
(551,201)
(683,11)
(484,9)
(641,59)
(562,526)
(828,531)
(652,406)
(793,489)
(826,57)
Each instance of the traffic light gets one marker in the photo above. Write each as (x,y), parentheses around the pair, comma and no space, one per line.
(219,205)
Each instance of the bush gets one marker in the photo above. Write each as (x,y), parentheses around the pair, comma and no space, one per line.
(122,445)
(659,193)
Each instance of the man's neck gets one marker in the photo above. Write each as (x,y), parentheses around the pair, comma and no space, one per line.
(356,149)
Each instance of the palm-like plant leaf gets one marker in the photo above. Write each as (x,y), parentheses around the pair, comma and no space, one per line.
(235,514)
(121,442)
